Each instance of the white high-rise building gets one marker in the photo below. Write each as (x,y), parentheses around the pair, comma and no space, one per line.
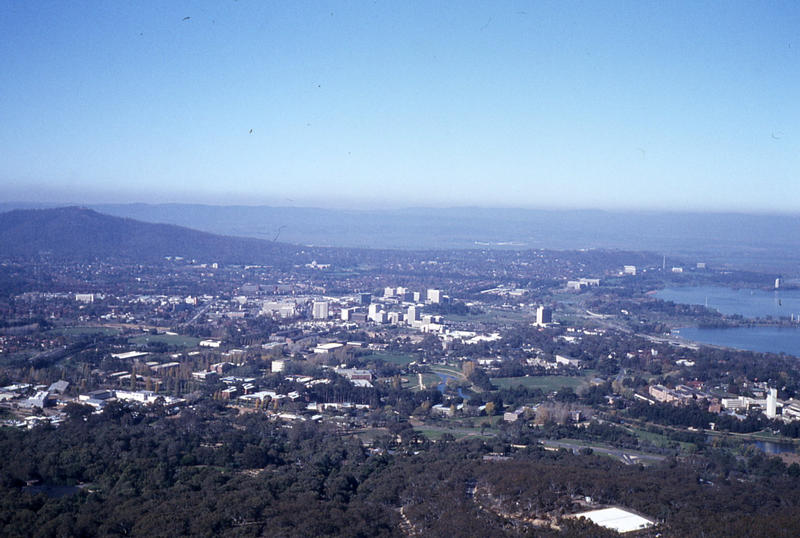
(434,296)
(388,292)
(413,314)
(320,310)
(544,316)
(772,403)
(372,313)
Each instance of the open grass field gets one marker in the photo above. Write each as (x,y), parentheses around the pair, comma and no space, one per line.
(547,383)
(400,359)
(368,436)
(435,433)
(176,340)
(448,370)
(431,381)
(81,331)
(659,440)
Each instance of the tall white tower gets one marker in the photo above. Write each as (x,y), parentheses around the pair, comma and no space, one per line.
(772,403)
(544,316)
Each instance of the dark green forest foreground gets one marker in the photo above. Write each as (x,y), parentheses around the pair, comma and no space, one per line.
(211,472)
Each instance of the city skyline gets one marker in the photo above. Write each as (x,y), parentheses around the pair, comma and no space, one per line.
(611,106)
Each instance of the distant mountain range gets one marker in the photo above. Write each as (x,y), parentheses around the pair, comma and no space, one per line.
(73,233)
(763,242)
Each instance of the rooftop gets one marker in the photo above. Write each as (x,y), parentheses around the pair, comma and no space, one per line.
(617,519)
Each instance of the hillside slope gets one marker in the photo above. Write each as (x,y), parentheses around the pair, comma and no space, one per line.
(73,233)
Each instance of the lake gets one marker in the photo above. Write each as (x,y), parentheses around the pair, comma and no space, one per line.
(774,448)
(746,302)
(750,303)
(763,339)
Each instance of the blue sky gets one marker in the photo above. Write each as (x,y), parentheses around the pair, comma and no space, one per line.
(615,105)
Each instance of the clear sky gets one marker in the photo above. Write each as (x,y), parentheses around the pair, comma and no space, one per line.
(617,105)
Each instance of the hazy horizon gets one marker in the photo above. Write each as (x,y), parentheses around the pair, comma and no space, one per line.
(766,242)
(389,206)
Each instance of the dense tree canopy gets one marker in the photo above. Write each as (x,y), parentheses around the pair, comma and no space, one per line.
(209,471)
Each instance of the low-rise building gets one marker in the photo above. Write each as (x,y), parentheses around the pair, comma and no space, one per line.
(324,349)
(568,361)
(354,374)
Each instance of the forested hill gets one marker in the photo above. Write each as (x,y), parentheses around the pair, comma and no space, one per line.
(73,233)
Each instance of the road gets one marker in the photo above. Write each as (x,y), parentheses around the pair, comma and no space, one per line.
(626,457)
(199,313)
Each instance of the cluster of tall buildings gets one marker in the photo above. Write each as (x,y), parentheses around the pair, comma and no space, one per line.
(432,296)
(396,305)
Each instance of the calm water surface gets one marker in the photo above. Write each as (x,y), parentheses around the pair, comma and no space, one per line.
(763,339)
(748,303)
(773,448)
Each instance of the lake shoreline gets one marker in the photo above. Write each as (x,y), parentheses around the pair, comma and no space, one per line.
(777,336)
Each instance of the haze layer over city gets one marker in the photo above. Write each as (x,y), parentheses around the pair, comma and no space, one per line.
(399,269)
